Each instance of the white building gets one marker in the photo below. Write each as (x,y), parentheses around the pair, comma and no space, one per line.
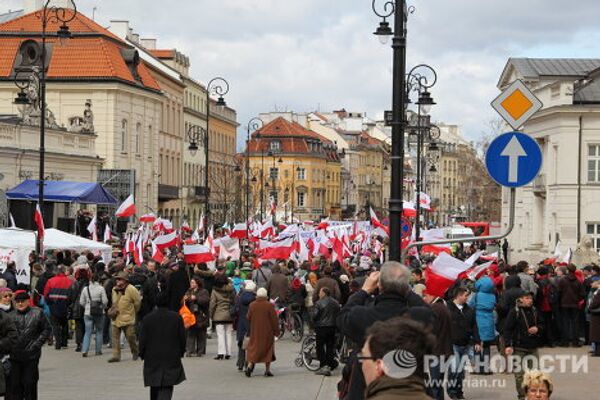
(562,203)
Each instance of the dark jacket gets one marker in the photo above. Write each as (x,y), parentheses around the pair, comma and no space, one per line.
(74,296)
(442,328)
(149,292)
(517,323)
(571,291)
(331,284)
(464,325)
(57,294)
(354,320)
(277,287)
(512,291)
(10,278)
(8,339)
(325,312)
(33,329)
(241,309)
(162,344)
(199,306)
(386,388)
(179,283)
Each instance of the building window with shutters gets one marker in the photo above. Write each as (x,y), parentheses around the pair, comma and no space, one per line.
(594,163)
(593,230)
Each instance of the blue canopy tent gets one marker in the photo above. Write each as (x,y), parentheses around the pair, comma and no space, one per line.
(62,192)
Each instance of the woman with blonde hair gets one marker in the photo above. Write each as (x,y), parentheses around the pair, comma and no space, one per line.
(311,284)
(537,385)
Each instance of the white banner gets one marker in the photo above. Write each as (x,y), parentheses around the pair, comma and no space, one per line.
(21,259)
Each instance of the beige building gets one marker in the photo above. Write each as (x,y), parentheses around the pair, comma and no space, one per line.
(126,101)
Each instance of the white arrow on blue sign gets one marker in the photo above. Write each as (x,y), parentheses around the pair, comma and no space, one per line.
(513,159)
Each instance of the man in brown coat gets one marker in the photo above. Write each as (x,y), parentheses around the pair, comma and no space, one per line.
(264,327)
(328,282)
(278,286)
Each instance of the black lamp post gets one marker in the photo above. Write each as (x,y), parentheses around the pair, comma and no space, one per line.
(219,87)
(48,14)
(253,125)
(397,9)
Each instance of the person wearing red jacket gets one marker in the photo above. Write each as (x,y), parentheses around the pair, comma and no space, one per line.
(57,295)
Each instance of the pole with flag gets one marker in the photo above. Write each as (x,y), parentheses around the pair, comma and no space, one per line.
(39,221)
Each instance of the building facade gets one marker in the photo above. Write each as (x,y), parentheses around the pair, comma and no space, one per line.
(561,204)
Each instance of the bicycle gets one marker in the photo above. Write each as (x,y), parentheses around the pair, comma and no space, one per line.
(308,353)
(290,320)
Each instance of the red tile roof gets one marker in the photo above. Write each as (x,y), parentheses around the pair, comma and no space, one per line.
(282,127)
(168,54)
(93,52)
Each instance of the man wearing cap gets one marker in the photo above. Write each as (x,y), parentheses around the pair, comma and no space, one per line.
(522,333)
(127,302)
(33,330)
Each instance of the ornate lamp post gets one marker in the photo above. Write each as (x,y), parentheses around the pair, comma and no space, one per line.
(219,87)
(48,14)
(253,125)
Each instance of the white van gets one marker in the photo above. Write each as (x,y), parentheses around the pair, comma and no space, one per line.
(458,232)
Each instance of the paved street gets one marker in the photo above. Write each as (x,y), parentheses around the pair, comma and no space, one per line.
(65,373)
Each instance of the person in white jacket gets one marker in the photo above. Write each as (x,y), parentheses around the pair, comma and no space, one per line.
(94,300)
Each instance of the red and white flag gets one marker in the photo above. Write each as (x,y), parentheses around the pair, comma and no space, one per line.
(377,224)
(408,209)
(92,228)
(127,208)
(477,271)
(185,226)
(442,274)
(148,218)
(138,253)
(197,253)
(425,201)
(157,254)
(239,231)
(267,229)
(277,250)
(166,241)
(107,233)
(324,224)
(229,247)
(39,221)
(432,235)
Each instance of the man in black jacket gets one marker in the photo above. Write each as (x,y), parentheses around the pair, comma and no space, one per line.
(362,310)
(8,339)
(325,313)
(522,333)
(465,336)
(33,329)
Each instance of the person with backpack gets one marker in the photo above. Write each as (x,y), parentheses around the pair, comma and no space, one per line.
(94,301)
(262,275)
(522,333)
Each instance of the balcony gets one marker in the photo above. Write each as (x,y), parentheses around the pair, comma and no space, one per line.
(201,191)
(167,192)
(538,185)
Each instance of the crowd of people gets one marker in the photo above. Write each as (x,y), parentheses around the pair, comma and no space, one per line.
(167,310)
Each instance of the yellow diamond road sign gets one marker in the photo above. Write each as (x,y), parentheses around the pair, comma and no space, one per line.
(516,104)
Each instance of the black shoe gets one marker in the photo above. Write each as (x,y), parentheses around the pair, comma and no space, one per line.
(218,357)
(227,357)
(268,374)
(57,347)
(249,371)
(84,355)
(78,349)
(135,357)
(98,353)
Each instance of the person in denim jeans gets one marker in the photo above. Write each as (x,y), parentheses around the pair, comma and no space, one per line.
(93,292)
(465,339)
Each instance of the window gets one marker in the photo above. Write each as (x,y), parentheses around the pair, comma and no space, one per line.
(594,163)
(273,173)
(124,135)
(593,229)
(301,173)
(138,134)
(275,145)
(301,199)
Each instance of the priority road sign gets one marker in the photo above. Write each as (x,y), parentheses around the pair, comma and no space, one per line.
(513,159)
(516,104)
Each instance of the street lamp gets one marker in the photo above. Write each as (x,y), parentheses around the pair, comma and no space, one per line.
(397,9)
(219,87)
(48,14)
(253,125)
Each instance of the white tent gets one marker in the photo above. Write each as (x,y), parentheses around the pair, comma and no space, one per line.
(16,244)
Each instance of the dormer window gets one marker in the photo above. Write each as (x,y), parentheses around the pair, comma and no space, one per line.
(275,146)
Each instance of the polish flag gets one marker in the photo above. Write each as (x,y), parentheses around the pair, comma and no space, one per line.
(39,221)
(490,257)
(93,229)
(324,224)
(138,253)
(210,240)
(185,227)
(267,229)
(376,224)
(107,234)
(239,231)
(471,260)
(127,208)
(148,218)
(277,250)
(197,253)
(157,254)
(166,241)
(442,274)
(477,271)
(408,209)
(425,201)
(431,235)
(290,230)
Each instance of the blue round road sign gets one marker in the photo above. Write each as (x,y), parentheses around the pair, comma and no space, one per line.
(406,228)
(513,159)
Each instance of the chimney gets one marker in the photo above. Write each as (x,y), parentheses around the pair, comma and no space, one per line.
(119,28)
(135,38)
(149,44)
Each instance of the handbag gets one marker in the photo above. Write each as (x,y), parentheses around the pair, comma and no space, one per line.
(96,307)
(189,319)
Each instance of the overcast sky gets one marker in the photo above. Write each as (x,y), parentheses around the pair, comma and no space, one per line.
(304,55)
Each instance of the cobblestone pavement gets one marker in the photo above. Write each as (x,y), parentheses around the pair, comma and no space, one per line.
(65,374)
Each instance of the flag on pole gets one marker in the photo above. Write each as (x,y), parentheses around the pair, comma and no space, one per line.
(376,223)
(276,250)
(127,208)
(39,221)
(442,274)
(166,241)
